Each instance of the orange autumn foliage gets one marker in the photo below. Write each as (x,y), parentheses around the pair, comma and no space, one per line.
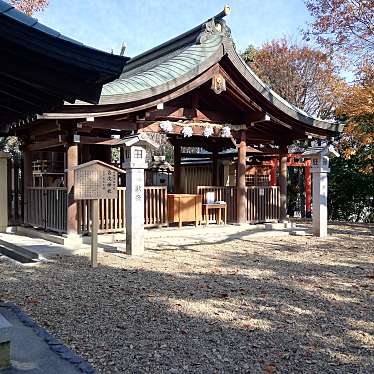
(29,6)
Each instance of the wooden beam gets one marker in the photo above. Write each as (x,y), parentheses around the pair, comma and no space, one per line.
(107,124)
(96,140)
(194,114)
(52,143)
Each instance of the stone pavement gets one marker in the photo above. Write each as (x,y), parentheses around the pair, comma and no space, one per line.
(30,354)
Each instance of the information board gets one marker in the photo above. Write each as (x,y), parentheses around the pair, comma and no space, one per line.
(95,182)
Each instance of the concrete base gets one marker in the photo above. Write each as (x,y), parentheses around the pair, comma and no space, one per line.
(298,233)
(280,225)
(72,241)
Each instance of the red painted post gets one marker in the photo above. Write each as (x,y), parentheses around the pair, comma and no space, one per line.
(308,189)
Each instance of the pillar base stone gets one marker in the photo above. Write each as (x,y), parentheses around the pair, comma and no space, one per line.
(73,241)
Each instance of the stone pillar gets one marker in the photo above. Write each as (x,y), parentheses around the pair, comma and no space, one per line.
(273,172)
(177,170)
(308,189)
(134,211)
(71,161)
(240,180)
(283,182)
(3,191)
(320,204)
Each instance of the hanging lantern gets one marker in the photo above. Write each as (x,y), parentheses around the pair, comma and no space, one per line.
(208,131)
(166,126)
(226,132)
(187,132)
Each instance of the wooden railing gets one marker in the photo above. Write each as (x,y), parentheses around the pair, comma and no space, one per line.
(262,202)
(46,208)
(111,214)
(112,211)
(227,194)
(155,206)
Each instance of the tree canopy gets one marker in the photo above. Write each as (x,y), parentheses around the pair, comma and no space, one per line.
(29,6)
(304,76)
(344,26)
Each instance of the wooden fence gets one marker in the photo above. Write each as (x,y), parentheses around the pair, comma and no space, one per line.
(46,208)
(111,214)
(227,194)
(263,203)
(112,211)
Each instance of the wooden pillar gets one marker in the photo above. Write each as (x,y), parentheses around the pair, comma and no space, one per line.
(71,161)
(27,181)
(240,180)
(3,192)
(215,171)
(308,189)
(273,172)
(283,182)
(177,169)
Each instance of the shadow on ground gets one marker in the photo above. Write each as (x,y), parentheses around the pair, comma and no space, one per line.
(256,306)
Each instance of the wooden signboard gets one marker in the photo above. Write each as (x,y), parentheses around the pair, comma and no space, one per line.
(95,180)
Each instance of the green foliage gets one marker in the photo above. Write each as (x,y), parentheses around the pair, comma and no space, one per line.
(10,144)
(351,190)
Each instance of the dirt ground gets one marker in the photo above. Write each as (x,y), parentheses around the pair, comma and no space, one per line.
(247,304)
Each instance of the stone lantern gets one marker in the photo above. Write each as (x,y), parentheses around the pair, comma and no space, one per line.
(135,150)
(320,159)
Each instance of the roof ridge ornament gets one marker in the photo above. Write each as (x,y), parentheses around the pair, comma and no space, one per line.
(216,26)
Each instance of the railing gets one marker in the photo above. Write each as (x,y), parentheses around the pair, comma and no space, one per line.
(112,211)
(262,202)
(155,206)
(46,208)
(111,214)
(227,194)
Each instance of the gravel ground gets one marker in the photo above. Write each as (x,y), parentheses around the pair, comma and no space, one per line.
(251,305)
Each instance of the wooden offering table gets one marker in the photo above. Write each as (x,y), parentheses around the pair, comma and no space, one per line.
(219,208)
(184,208)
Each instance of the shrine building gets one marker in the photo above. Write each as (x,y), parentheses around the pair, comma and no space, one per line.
(196,92)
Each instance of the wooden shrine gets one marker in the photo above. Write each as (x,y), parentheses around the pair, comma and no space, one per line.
(195,92)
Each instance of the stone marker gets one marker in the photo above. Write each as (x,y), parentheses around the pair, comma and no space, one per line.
(135,163)
(5,338)
(320,157)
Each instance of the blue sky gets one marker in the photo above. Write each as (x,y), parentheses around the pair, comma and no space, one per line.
(143,24)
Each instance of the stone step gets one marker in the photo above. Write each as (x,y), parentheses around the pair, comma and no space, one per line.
(21,250)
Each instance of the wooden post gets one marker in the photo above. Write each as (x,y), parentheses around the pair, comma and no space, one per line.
(94,229)
(215,173)
(283,182)
(177,169)
(240,180)
(3,191)
(71,161)
(273,172)
(308,189)
(27,181)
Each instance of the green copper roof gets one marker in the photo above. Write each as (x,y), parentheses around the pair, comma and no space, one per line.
(182,63)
